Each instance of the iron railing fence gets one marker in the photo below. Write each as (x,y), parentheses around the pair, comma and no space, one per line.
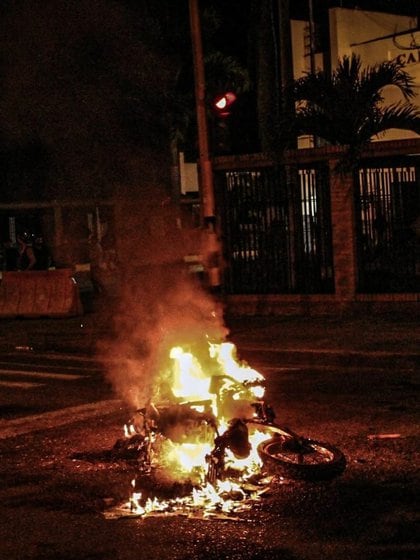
(312,208)
(276,229)
(387,196)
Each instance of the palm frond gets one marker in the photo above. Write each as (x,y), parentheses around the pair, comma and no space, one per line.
(224,73)
(347,72)
(346,107)
(311,120)
(403,116)
(373,79)
(313,87)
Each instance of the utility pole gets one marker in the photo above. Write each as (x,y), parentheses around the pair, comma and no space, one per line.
(285,48)
(210,245)
(311,36)
(286,61)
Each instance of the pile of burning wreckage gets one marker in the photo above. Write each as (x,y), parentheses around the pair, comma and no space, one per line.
(208,434)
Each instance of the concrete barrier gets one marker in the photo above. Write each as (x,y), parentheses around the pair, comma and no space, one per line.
(43,293)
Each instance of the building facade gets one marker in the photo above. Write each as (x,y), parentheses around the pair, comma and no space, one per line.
(374,36)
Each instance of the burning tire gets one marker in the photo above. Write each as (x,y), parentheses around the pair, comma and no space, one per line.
(302,459)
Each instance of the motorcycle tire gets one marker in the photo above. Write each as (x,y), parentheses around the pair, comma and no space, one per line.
(313,461)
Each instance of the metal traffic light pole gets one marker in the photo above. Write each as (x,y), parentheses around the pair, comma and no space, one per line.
(210,245)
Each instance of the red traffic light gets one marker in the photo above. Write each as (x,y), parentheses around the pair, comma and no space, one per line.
(222,104)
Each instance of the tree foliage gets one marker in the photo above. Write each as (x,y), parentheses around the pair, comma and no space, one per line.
(347,107)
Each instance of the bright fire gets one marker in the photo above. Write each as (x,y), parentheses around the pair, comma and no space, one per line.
(205,397)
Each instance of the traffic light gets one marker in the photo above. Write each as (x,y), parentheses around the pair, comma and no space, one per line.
(222,107)
(222,104)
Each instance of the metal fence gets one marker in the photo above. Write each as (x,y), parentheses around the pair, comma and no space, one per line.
(276,230)
(277,234)
(387,218)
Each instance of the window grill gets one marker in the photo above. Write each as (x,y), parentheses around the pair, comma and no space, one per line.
(276,230)
(387,209)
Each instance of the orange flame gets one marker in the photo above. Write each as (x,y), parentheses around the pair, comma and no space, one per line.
(192,383)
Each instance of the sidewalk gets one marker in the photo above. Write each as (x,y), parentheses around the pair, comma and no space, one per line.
(395,337)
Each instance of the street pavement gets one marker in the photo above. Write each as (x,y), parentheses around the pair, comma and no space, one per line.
(375,341)
(60,480)
(370,339)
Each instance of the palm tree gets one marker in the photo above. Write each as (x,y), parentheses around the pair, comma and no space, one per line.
(347,106)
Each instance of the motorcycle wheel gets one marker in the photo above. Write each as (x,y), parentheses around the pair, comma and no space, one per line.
(304,459)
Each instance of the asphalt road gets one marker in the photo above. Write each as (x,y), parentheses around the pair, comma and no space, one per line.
(34,382)
(59,483)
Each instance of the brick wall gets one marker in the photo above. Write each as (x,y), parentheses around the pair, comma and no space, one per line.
(343,232)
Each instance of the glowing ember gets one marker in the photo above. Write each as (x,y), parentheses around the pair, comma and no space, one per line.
(205,502)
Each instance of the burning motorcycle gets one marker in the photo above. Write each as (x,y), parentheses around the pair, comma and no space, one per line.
(283,452)
(223,418)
